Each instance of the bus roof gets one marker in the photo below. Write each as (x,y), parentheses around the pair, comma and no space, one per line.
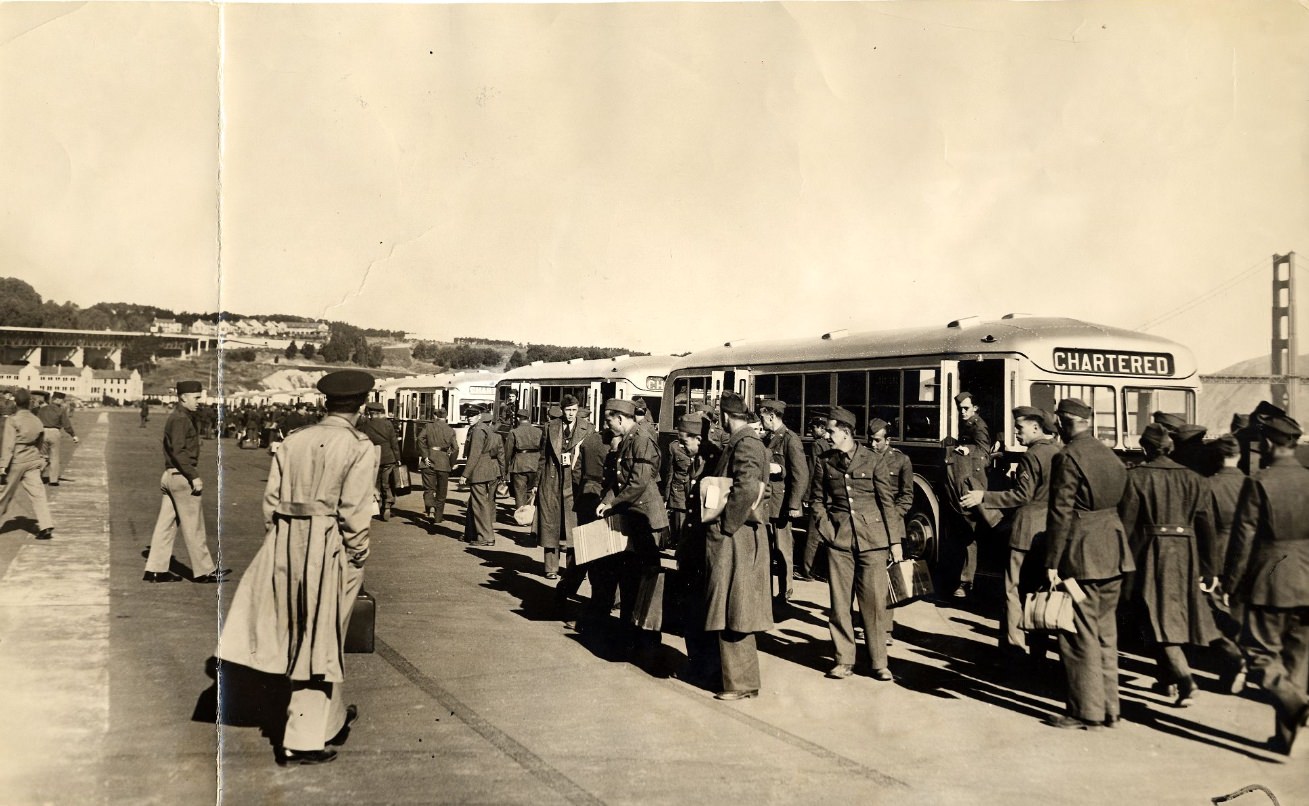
(443,380)
(634,368)
(1032,336)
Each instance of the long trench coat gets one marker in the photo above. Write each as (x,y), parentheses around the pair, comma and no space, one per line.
(740,594)
(559,485)
(289,614)
(1163,509)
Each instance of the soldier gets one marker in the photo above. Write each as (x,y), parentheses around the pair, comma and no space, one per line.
(677,480)
(974,445)
(482,471)
(381,432)
(788,481)
(291,611)
(1087,543)
(145,412)
(1165,509)
(522,449)
(1191,451)
(1268,571)
(818,445)
(437,447)
(181,485)
(21,462)
(570,480)
(54,418)
(852,498)
(739,601)
(1030,497)
(1225,490)
(901,471)
(702,662)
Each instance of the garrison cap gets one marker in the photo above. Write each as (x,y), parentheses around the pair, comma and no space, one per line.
(962,396)
(1227,446)
(1074,406)
(1030,413)
(877,424)
(1283,425)
(1190,432)
(555,411)
(525,414)
(691,424)
(1172,422)
(188,387)
(843,416)
(1239,422)
(621,406)
(374,407)
(772,404)
(345,383)
(732,403)
(1266,410)
(1157,437)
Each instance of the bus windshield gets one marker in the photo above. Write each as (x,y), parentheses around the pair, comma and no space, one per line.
(1139,404)
(1104,408)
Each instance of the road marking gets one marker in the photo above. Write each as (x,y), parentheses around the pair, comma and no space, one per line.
(505,743)
(54,641)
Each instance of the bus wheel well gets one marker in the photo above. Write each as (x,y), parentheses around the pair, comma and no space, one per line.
(922,524)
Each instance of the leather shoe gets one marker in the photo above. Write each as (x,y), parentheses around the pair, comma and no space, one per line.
(1113,720)
(551,576)
(840,671)
(1236,684)
(160,576)
(308,756)
(484,543)
(736,695)
(45,534)
(216,576)
(1186,693)
(883,675)
(1072,723)
(1168,690)
(351,714)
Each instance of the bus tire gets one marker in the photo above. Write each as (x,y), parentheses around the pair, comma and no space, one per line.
(921,538)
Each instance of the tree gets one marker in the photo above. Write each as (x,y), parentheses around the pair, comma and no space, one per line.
(94,318)
(139,355)
(375,356)
(336,351)
(308,350)
(55,315)
(20,305)
(291,349)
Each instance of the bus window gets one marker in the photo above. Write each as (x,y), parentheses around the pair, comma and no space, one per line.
(817,395)
(921,404)
(1104,408)
(884,398)
(1139,404)
(765,386)
(790,389)
(852,394)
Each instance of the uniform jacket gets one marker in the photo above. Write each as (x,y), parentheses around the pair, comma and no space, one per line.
(53,416)
(522,449)
(852,498)
(1030,495)
(20,443)
(382,433)
(485,454)
(901,471)
(814,450)
(736,545)
(789,484)
(1268,556)
(976,434)
(182,443)
(437,444)
(677,476)
(1224,490)
(636,478)
(1164,507)
(288,616)
(1086,538)
(567,493)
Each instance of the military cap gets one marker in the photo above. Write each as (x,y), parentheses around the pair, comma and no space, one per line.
(640,406)
(1075,407)
(441,414)
(1030,413)
(374,407)
(41,393)
(1240,422)
(621,406)
(732,403)
(1172,422)
(555,411)
(1227,446)
(345,383)
(772,404)
(188,387)
(1283,425)
(569,400)
(877,424)
(962,396)
(843,416)
(1156,436)
(691,424)
(58,396)
(525,414)
(1188,432)
(1266,410)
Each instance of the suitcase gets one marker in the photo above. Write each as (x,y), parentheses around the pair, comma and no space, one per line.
(363,621)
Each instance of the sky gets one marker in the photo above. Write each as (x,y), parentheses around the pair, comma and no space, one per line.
(661,176)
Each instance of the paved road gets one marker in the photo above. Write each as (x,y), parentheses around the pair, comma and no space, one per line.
(478,693)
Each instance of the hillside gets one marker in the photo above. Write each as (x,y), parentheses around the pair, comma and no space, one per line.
(1218,401)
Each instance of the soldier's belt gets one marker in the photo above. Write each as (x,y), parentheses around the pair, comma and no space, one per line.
(305,509)
(1170,530)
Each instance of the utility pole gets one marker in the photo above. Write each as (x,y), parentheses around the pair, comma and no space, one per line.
(1285,382)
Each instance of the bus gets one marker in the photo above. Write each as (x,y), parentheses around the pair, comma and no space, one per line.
(464,396)
(384,392)
(909,378)
(539,385)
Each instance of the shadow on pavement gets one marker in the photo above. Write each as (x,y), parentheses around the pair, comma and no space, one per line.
(250,699)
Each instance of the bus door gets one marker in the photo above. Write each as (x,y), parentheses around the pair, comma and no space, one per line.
(729,380)
(989,382)
(608,391)
(949,388)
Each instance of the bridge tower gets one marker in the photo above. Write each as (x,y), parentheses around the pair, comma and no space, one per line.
(1284,381)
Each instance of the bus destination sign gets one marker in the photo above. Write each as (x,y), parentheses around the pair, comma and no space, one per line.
(1112,362)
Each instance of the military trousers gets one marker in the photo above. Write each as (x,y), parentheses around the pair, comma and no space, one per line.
(385,492)
(479,522)
(783,549)
(51,448)
(522,485)
(812,544)
(28,477)
(858,576)
(1090,655)
(436,485)
(179,511)
(1276,640)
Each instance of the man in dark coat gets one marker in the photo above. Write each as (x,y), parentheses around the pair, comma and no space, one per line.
(818,445)
(483,469)
(702,662)
(522,457)
(739,603)
(1165,510)
(569,479)
(1225,490)
(54,416)
(852,498)
(788,482)
(1087,543)
(437,448)
(677,478)
(967,467)
(381,432)
(1268,569)
(1030,499)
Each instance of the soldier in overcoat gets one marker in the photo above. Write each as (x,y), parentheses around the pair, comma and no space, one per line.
(1087,543)
(483,469)
(1225,489)
(1165,510)
(739,603)
(570,470)
(437,449)
(21,434)
(1268,569)
(788,482)
(702,662)
(292,607)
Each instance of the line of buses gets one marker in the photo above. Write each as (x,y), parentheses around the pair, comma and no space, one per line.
(906,377)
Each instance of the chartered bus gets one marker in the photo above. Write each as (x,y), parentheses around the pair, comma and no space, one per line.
(540,385)
(464,396)
(909,378)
